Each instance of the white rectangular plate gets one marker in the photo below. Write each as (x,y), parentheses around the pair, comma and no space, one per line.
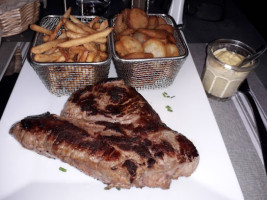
(27,175)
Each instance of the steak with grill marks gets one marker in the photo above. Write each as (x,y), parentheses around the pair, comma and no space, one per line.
(110,132)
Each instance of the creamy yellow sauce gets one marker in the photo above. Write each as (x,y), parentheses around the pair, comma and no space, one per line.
(228,57)
(220,81)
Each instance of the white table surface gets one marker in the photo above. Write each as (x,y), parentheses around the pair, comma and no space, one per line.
(27,175)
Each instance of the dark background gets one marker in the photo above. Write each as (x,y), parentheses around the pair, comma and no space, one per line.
(255,13)
(225,15)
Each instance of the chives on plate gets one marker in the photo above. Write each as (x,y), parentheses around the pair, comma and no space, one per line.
(62,169)
(107,188)
(165,95)
(169,108)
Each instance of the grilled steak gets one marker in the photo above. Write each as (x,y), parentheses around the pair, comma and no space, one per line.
(111,133)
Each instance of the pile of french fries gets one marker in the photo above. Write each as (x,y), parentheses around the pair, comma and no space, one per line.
(78,41)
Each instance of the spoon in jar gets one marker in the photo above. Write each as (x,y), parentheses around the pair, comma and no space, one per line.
(253,57)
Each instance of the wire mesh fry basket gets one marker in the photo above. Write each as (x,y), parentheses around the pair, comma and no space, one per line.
(65,78)
(153,73)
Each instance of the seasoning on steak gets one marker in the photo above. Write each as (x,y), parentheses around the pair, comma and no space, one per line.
(110,132)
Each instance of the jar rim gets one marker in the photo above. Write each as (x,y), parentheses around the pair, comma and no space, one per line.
(234,43)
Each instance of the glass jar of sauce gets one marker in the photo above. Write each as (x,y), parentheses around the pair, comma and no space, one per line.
(223,75)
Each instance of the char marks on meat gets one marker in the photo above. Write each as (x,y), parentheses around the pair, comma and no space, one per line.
(110,132)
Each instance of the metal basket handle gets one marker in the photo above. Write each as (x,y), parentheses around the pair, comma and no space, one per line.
(65,6)
(143,4)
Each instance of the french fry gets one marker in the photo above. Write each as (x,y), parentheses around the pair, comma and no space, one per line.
(70,60)
(86,28)
(101,40)
(83,57)
(91,56)
(96,26)
(67,13)
(75,20)
(50,51)
(74,51)
(80,53)
(91,23)
(40,29)
(97,57)
(46,46)
(89,38)
(61,59)
(103,55)
(103,25)
(64,52)
(47,57)
(102,47)
(73,27)
(73,35)
(81,24)
(55,32)
(90,46)
(77,49)
(60,23)
(45,38)
(62,35)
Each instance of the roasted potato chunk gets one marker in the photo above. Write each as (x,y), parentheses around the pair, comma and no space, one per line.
(138,35)
(137,18)
(156,47)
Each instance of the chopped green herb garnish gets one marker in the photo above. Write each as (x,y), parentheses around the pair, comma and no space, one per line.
(165,95)
(169,108)
(62,169)
(107,188)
